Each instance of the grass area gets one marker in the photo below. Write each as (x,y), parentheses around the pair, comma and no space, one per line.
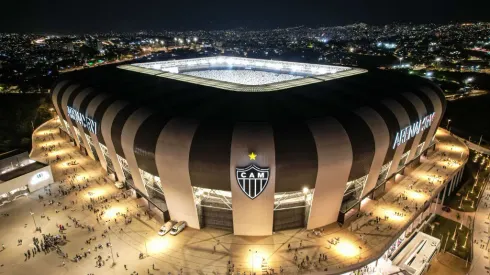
(19,115)
(444,229)
(465,198)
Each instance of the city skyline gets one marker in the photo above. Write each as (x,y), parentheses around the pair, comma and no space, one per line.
(92,16)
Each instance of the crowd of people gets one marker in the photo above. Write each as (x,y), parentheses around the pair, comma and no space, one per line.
(245,77)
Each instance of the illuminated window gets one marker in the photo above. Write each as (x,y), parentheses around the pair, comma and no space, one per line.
(153,188)
(419,149)
(383,173)
(295,199)
(108,160)
(212,198)
(125,167)
(403,160)
(92,146)
(353,192)
(67,128)
(79,137)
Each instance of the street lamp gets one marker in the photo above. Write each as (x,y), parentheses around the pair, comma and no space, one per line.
(400,58)
(32,215)
(252,259)
(112,253)
(448,121)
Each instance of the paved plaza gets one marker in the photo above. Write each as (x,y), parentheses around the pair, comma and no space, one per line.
(206,251)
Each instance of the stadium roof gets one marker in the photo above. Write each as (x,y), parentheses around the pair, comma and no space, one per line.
(312,73)
(171,97)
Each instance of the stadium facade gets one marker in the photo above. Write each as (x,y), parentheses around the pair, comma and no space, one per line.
(250,154)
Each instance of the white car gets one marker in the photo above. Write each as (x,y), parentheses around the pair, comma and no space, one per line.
(177,228)
(166,228)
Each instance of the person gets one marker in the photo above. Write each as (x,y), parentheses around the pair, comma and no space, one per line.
(125,267)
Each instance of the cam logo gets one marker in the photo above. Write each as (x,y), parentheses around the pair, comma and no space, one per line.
(252,179)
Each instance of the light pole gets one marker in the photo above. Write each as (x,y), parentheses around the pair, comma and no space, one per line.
(400,58)
(112,253)
(448,121)
(34,220)
(252,259)
(446,241)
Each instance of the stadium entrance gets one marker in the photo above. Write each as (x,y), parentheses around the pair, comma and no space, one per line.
(214,208)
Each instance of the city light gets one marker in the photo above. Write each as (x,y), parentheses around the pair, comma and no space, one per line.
(398,191)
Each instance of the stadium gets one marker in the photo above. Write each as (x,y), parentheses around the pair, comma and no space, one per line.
(250,146)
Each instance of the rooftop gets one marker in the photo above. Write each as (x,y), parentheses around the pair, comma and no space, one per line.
(243,74)
(19,171)
(186,96)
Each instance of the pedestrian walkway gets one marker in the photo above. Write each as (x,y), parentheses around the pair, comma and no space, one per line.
(83,198)
(481,238)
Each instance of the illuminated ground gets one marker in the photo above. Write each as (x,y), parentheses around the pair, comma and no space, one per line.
(193,250)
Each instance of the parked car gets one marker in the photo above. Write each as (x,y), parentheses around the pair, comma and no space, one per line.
(177,228)
(166,228)
(446,209)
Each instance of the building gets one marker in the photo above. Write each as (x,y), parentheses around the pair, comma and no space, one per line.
(416,256)
(20,175)
(252,146)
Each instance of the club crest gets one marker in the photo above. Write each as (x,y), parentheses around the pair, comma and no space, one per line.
(252,180)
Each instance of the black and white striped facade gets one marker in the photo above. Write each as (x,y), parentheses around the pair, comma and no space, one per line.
(179,144)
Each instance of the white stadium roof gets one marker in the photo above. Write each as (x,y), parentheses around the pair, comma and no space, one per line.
(243,74)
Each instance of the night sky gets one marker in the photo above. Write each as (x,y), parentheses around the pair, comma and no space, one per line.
(76,16)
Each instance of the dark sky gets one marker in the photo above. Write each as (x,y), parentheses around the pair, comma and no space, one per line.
(75,16)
